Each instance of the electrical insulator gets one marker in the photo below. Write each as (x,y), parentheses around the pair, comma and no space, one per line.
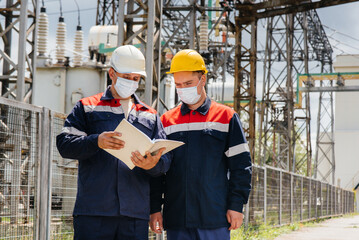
(60,40)
(79,37)
(203,34)
(43,32)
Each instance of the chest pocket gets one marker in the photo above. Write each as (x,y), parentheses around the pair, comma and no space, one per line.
(99,122)
(145,125)
(214,141)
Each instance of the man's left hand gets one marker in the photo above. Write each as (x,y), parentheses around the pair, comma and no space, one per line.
(235,219)
(148,161)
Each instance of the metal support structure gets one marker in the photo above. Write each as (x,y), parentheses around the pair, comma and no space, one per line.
(106,12)
(18,67)
(245,78)
(149,34)
(325,134)
(44,182)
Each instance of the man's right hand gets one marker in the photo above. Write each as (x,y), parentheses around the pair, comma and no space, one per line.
(156,222)
(106,140)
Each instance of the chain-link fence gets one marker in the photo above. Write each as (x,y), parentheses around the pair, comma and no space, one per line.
(279,197)
(38,187)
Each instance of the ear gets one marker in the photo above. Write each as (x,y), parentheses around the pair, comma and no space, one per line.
(204,79)
(111,73)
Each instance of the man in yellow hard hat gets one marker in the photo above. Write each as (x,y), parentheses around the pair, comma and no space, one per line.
(210,176)
(112,201)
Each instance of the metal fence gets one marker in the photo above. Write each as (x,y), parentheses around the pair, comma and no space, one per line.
(38,187)
(279,197)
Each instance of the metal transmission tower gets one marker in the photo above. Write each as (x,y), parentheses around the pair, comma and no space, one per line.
(294,39)
(324,156)
(141,21)
(106,12)
(18,54)
(191,24)
(245,74)
(286,119)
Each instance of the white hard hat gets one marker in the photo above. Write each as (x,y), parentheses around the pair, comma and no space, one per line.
(128,59)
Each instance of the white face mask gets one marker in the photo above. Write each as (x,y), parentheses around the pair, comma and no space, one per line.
(125,87)
(189,95)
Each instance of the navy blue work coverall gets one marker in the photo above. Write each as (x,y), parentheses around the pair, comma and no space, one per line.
(209,174)
(108,191)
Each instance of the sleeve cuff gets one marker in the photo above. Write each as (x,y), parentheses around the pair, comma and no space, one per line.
(238,207)
(93,140)
(156,170)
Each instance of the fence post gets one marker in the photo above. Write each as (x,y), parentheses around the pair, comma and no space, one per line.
(301,198)
(321,199)
(335,200)
(291,198)
(327,199)
(246,218)
(309,198)
(316,198)
(44,178)
(265,196)
(280,197)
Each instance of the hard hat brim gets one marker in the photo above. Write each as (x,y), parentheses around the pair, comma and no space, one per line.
(172,72)
(142,73)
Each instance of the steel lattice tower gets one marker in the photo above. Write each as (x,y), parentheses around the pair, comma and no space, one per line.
(18,17)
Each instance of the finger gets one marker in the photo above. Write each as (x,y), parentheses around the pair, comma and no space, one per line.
(114,134)
(236,225)
(115,140)
(135,162)
(152,225)
(137,156)
(118,134)
(159,154)
(229,221)
(115,146)
(148,155)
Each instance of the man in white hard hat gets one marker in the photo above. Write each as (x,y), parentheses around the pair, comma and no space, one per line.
(112,200)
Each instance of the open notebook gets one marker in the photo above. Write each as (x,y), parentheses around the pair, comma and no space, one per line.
(135,140)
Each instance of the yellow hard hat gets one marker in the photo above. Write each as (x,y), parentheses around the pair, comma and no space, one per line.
(187,60)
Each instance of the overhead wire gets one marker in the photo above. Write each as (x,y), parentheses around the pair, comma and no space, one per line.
(72,11)
(344,34)
(60,8)
(78,16)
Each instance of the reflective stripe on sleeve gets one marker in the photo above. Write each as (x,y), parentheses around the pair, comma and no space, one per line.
(238,149)
(72,130)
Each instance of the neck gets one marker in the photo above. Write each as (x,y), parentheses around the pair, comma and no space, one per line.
(199,103)
(115,94)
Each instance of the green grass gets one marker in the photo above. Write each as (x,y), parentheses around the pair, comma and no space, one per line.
(262,232)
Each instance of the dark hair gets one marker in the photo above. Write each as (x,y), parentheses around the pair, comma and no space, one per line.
(198,73)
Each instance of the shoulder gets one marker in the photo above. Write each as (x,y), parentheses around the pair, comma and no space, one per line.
(144,107)
(92,100)
(222,112)
(171,113)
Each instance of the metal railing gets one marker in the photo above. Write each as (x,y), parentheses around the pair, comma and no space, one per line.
(38,187)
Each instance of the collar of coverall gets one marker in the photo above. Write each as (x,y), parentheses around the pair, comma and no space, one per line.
(107,95)
(203,109)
